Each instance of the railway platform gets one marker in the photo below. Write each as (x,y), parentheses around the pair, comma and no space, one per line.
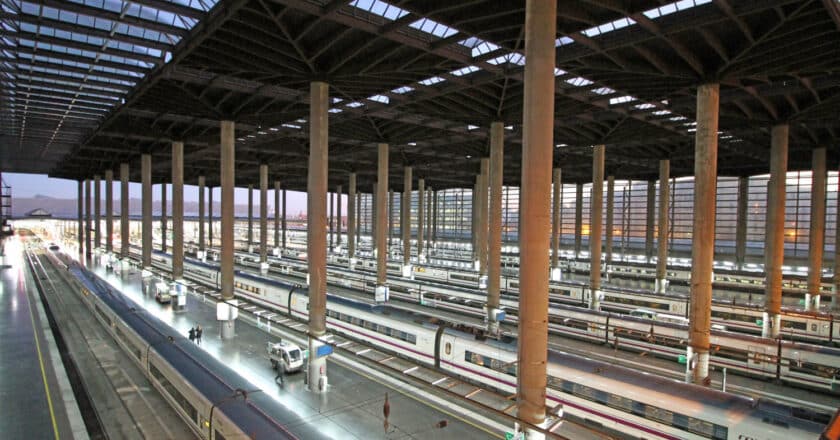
(36,399)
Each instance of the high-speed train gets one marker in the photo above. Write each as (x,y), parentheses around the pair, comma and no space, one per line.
(801,364)
(214,401)
(610,397)
(796,325)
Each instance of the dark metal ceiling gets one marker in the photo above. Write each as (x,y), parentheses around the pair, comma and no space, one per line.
(426,76)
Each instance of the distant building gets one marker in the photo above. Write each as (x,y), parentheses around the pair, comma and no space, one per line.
(38,213)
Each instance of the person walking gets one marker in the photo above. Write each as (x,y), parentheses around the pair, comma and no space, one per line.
(198,331)
(281,372)
(192,334)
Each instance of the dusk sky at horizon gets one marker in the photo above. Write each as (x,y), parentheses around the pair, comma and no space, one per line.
(30,185)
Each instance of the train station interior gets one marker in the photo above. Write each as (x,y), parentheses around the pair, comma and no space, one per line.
(470,219)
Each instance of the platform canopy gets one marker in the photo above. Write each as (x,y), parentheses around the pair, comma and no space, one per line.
(86,84)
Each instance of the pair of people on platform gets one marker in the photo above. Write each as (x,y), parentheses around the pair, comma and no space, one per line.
(195,334)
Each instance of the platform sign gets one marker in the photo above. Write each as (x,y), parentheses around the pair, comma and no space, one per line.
(514,436)
(759,322)
(682,359)
(324,350)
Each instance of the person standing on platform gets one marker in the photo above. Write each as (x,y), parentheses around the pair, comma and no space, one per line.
(198,332)
(281,372)
(192,334)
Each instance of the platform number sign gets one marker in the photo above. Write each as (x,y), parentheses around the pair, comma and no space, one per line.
(514,436)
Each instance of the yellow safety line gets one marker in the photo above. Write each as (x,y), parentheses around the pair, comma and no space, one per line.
(43,371)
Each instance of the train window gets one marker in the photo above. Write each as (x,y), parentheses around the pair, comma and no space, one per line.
(448,348)
(775,422)
(813,369)
(174,393)
(795,325)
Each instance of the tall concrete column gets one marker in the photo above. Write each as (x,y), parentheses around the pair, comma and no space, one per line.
(381,217)
(421,212)
(483,214)
(359,218)
(124,232)
(596,207)
(429,193)
(210,216)
(202,249)
(578,218)
(264,218)
(774,248)
(177,210)
(434,217)
(331,219)
(835,288)
(703,233)
(405,228)
(97,212)
(277,218)
(351,220)
(537,150)
(109,212)
(146,224)
(390,217)
(373,224)
(283,219)
(338,195)
(650,220)
(316,242)
(227,176)
(474,213)
(608,233)
(88,220)
(250,218)
(556,225)
(80,229)
(816,237)
(163,219)
(494,242)
(741,221)
(662,241)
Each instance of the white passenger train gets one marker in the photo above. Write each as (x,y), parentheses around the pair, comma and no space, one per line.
(796,363)
(609,397)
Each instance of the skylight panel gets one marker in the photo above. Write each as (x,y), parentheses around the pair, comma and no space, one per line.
(644,106)
(670,8)
(603,91)
(380,8)
(294,126)
(479,46)
(402,90)
(662,112)
(621,99)
(380,98)
(336,100)
(472,127)
(513,58)
(432,27)
(562,41)
(431,81)
(355,104)
(579,81)
(608,27)
(465,70)
(677,118)
(558,71)
(335,110)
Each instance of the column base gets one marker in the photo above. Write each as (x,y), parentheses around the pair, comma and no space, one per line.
(201,255)
(770,325)
(660,285)
(353,263)
(146,272)
(316,377)
(264,268)
(382,294)
(807,305)
(250,249)
(556,274)
(482,282)
(276,252)
(421,259)
(494,318)
(477,264)
(226,313)
(408,271)
(595,297)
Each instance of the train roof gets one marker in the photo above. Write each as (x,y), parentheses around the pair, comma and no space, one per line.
(256,414)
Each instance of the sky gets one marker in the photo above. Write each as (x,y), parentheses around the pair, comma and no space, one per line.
(30,185)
